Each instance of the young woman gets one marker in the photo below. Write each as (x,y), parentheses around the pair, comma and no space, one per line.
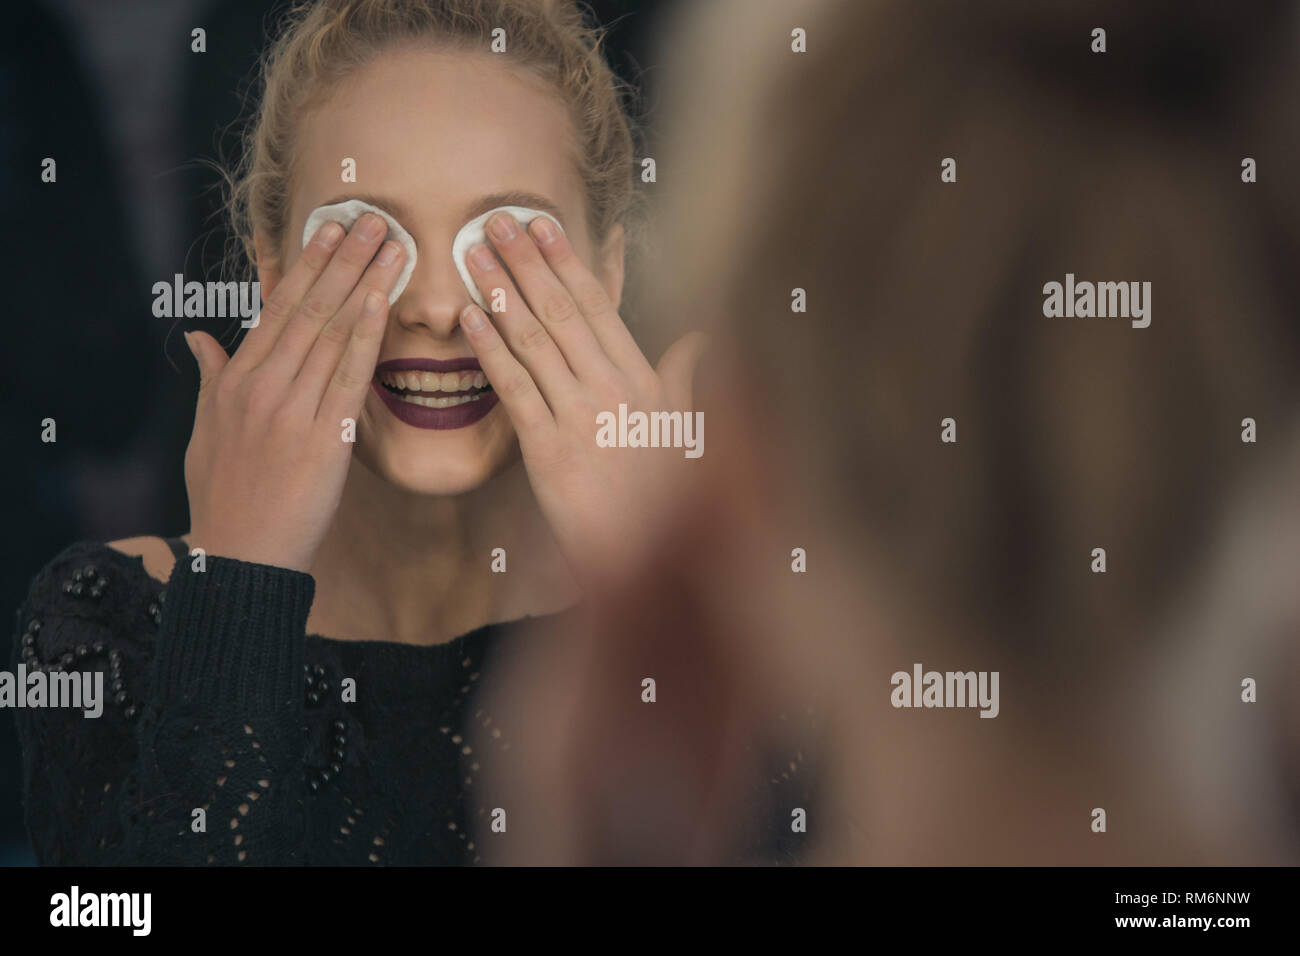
(292,681)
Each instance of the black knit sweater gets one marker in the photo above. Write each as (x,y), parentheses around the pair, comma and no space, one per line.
(216,698)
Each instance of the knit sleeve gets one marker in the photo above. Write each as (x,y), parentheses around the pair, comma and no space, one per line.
(197,756)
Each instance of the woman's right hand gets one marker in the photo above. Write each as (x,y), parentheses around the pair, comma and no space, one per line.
(267,460)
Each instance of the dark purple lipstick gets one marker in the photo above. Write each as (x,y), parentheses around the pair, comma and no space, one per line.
(421,416)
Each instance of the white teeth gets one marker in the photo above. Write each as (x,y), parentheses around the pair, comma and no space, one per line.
(446,402)
(427,382)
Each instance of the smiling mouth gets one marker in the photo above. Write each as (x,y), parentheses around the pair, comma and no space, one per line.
(435,389)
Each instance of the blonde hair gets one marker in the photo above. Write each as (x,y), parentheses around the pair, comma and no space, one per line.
(319,43)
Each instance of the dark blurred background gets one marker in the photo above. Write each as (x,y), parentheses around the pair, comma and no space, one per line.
(112,92)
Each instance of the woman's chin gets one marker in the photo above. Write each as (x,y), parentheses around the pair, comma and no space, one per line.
(421,472)
(430,460)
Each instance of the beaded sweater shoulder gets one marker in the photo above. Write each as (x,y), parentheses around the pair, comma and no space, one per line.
(224,738)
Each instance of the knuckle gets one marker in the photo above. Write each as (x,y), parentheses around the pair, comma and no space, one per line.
(559,309)
(281,423)
(609,385)
(367,332)
(315,307)
(382,285)
(585,406)
(276,308)
(593,301)
(517,383)
(333,334)
(533,337)
(260,393)
(348,379)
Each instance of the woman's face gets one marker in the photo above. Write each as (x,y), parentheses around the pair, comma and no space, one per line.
(435,138)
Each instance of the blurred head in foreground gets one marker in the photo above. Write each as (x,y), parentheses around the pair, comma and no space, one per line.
(922,173)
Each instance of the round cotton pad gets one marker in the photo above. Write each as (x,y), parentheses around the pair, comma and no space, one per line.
(472,233)
(349,212)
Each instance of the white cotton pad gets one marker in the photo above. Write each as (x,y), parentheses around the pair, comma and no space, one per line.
(349,212)
(473,232)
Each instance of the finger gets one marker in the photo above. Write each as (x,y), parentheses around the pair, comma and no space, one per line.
(288,293)
(592,300)
(677,367)
(209,355)
(509,378)
(337,335)
(326,296)
(528,339)
(355,369)
(547,298)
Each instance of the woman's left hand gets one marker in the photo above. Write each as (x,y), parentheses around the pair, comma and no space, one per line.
(558,355)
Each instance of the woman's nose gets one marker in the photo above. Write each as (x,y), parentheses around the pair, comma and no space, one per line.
(434,296)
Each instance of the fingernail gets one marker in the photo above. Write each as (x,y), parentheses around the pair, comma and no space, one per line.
(371,226)
(329,235)
(502,226)
(472,318)
(482,257)
(189,343)
(543,229)
(388,253)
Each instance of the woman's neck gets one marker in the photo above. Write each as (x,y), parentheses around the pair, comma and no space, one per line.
(418,569)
